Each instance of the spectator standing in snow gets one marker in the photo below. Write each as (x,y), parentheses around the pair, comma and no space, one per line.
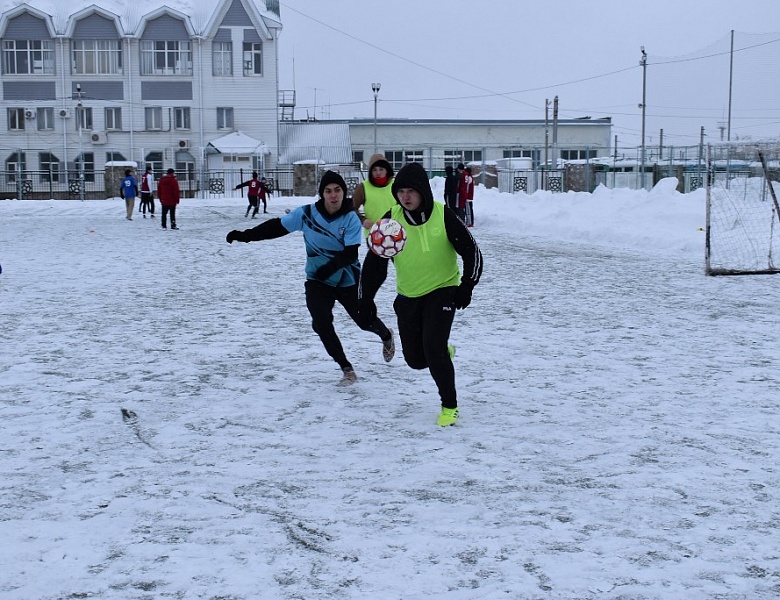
(450,187)
(465,190)
(332,236)
(128,189)
(147,193)
(429,284)
(169,194)
(470,200)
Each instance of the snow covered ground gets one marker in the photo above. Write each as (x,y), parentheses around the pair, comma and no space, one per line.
(171,427)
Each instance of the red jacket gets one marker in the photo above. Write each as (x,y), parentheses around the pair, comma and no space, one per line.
(465,189)
(168,190)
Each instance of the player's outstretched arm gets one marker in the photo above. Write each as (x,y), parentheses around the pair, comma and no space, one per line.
(267,230)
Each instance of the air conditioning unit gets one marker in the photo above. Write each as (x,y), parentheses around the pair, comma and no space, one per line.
(64,113)
(98,137)
(29,113)
(184,144)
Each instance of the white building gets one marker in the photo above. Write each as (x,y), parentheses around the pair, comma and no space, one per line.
(86,82)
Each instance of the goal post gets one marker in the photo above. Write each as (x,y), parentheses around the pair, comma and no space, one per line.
(743,215)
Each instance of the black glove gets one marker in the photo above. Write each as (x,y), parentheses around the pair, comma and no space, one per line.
(325,271)
(234,236)
(463,295)
(238,186)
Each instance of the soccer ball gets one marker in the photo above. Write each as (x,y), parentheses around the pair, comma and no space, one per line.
(386,238)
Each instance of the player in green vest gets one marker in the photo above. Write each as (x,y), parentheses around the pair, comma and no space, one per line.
(429,283)
(374,197)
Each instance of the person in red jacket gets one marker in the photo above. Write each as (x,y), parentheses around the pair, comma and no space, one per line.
(169,194)
(465,191)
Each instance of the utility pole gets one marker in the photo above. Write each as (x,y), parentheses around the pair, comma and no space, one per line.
(643,63)
(80,115)
(546,132)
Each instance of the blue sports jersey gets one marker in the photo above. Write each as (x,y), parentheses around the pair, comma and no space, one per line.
(129,187)
(324,238)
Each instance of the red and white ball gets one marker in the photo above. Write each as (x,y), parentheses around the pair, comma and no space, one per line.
(386,238)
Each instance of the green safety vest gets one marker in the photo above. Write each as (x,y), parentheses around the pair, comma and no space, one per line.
(428,261)
(378,200)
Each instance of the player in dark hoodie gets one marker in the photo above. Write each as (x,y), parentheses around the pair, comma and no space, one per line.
(332,235)
(429,284)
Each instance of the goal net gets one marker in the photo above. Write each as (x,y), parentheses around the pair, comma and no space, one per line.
(743,226)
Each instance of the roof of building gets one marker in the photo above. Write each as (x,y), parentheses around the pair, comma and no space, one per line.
(201,15)
(328,142)
(238,143)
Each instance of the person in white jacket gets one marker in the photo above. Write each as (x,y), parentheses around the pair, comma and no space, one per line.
(147,193)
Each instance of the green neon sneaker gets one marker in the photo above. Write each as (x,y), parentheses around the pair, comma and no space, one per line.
(451,351)
(448,416)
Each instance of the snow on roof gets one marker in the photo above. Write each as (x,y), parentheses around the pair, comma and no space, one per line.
(239,143)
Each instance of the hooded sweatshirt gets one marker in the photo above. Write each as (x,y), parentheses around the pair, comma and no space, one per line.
(375,197)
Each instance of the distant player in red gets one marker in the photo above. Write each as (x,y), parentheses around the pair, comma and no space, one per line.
(254,191)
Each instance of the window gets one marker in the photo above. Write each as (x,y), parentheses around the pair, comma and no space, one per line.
(395,158)
(357,156)
(28,57)
(50,167)
(222,56)
(86,160)
(83,118)
(15,163)
(452,158)
(166,58)
(411,156)
(155,160)
(472,156)
(253,59)
(517,153)
(97,57)
(111,156)
(113,118)
(224,118)
(185,167)
(577,154)
(181,117)
(153,118)
(44,118)
(15,119)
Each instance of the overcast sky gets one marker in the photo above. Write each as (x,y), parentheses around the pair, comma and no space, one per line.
(505,58)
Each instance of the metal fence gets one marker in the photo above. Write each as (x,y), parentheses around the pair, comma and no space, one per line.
(610,168)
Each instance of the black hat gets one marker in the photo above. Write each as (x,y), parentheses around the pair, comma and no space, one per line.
(461,166)
(413,176)
(170,171)
(331,177)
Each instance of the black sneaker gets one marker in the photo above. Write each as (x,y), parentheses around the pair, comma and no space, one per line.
(174,227)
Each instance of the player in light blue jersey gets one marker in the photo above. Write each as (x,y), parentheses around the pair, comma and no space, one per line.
(332,234)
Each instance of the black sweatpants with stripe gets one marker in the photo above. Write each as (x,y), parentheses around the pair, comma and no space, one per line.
(424,326)
(320,300)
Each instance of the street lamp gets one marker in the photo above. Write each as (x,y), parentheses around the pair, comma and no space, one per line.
(375,88)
